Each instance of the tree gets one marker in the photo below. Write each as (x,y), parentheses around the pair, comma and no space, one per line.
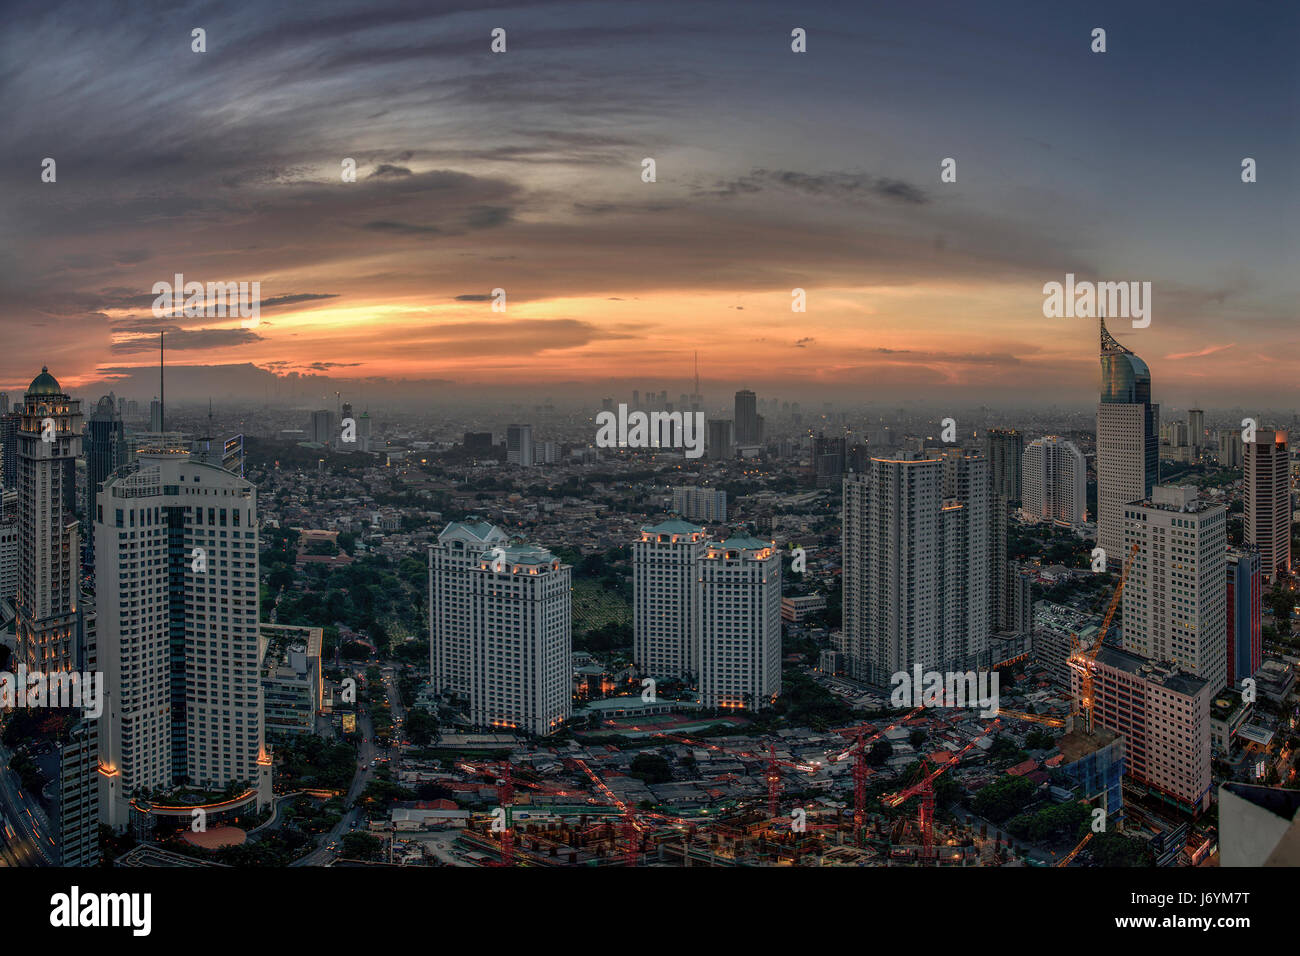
(651,768)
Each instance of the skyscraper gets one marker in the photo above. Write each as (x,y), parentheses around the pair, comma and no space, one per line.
(719,441)
(1175,598)
(830,460)
(700,504)
(665,599)
(519,445)
(49,558)
(106,451)
(322,426)
(1054,482)
(740,624)
(1267,519)
(748,428)
(1196,430)
(1244,599)
(459,547)
(1004,448)
(9,449)
(1128,441)
(500,619)
(918,574)
(177,602)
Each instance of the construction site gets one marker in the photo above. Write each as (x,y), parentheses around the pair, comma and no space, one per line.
(906,792)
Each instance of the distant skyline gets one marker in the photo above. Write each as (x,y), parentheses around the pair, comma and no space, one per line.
(775,170)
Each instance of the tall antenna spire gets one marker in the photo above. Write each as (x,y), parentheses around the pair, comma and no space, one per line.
(162,382)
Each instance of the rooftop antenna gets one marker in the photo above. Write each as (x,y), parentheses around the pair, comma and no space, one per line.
(162,388)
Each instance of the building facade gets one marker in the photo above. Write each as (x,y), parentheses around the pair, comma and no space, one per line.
(700,504)
(665,599)
(1244,599)
(740,624)
(1163,714)
(1054,483)
(49,548)
(457,552)
(521,641)
(1004,448)
(918,567)
(1267,520)
(178,637)
(1175,598)
(1128,441)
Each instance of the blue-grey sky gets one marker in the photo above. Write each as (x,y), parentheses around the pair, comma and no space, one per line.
(775,170)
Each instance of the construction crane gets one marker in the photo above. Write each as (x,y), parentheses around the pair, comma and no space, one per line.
(631,826)
(1082,660)
(924,788)
(1069,857)
(1044,719)
(773,765)
(859,753)
(506,796)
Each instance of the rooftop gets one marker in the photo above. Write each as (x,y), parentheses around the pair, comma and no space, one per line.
(1163,673)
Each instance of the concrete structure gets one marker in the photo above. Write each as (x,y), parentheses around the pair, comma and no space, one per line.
(666,599)
(1164,716)
(1128,451)
(1244,599)
(1005,448)
(322,427)
(459,547)
(106,451)
(521,640)
(49,540)
(1267,520)
(519,445)
(1054,483)
(8,559)
(700,504)
(749,424)
(1258,826)
(291,678)
(1175,599)
(918,580)
(740,624)
(720,440)
(178,637)
(1058,629)
(795,609)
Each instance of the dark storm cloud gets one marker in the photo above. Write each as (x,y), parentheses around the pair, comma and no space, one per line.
(188,339)
(839,186)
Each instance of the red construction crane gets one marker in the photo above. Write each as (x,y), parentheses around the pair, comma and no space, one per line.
(506,796)
(859,753)
(925,789)
(630,824)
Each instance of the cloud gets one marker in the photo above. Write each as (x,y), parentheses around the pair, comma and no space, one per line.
(838,186)
(187,339)
(1208,350)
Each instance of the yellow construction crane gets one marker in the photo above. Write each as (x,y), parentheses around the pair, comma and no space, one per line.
(1083,659)
(1069,857)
